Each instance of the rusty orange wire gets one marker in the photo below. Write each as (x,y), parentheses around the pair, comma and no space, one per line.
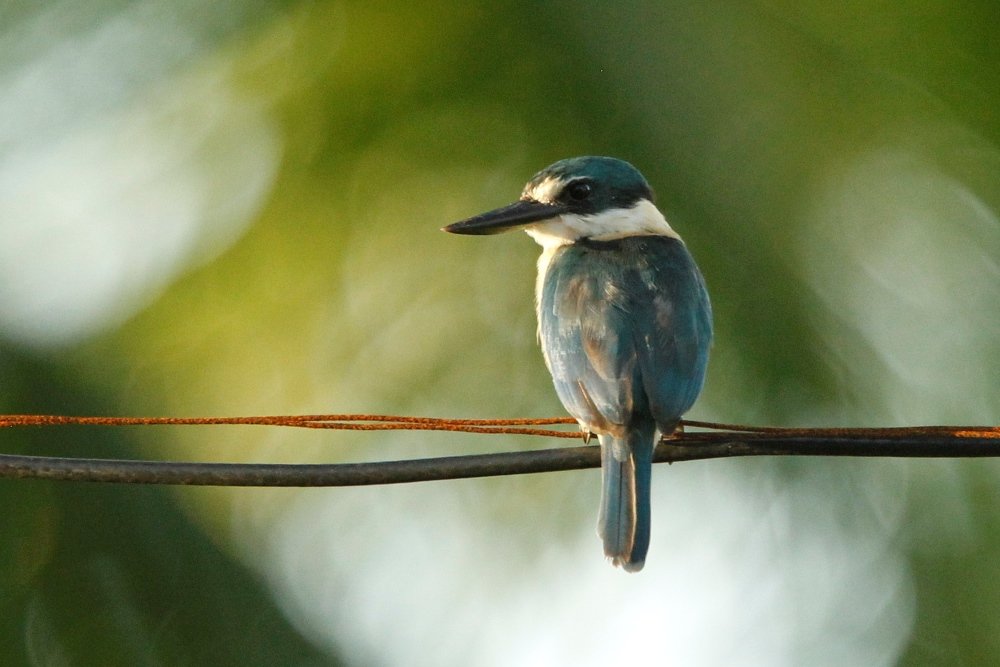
(509,426)
(712,441)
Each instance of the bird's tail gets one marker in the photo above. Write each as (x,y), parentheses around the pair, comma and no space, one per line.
(623,524)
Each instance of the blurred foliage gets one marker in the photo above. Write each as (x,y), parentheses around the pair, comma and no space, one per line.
(276,174)
(118,575)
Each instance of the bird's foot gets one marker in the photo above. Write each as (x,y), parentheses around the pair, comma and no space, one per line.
(678,432)
(587,434)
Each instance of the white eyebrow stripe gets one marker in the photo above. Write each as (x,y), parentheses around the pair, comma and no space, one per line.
(546,191)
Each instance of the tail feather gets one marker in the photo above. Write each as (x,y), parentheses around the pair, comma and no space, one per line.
(623,523)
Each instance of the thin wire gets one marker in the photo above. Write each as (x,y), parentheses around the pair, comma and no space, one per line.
(731,440)
(347,422)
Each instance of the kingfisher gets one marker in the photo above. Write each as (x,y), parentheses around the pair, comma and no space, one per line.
(624,322)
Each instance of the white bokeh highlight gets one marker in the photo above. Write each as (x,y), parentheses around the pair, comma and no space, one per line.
(112,179)
(743,570)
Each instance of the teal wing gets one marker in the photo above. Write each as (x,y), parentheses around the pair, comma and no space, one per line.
(625,326)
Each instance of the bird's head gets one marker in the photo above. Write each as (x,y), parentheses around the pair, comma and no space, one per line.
(598,198)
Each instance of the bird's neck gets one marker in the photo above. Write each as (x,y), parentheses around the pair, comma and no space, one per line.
(643,219)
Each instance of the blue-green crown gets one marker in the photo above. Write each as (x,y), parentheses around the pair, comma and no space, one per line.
(591,184)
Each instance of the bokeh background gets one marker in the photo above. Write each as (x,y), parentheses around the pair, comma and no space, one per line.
(232,208)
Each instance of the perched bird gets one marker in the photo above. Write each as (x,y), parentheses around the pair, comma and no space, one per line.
(623,319)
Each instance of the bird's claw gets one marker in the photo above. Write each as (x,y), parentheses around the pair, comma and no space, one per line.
(676,433)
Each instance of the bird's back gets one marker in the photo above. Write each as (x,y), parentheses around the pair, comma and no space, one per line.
(625,326)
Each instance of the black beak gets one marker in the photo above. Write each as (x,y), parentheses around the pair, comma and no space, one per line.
(516,215)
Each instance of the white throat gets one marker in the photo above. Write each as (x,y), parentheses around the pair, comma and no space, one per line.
(643,219)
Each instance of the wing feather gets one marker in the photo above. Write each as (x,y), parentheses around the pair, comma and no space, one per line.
(625,326)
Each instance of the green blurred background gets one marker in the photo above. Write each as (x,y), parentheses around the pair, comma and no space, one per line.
(232,208)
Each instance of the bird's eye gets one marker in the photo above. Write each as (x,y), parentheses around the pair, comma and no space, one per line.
(579,191)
